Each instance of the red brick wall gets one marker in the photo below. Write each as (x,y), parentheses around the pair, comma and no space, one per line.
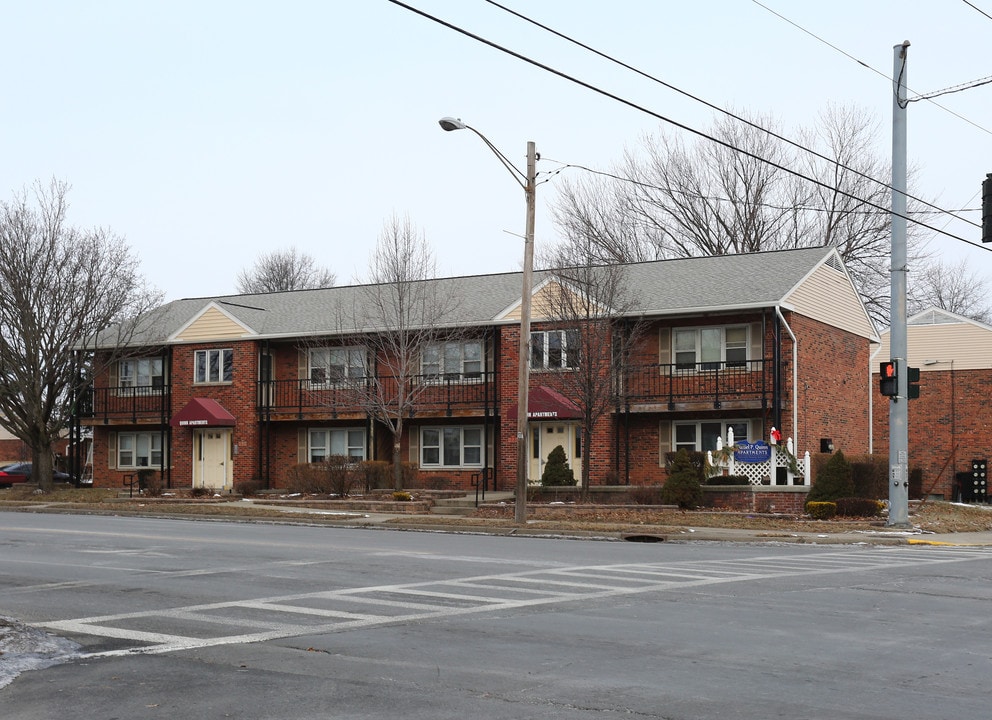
(939,420)
(833,386)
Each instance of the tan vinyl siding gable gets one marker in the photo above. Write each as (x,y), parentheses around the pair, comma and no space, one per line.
(827,295)
(212,324)
(968,345)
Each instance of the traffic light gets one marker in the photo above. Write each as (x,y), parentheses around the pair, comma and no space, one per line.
(987,209)
(888,382)
(913,377)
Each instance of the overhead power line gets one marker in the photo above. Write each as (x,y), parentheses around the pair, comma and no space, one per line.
(659,116)
(977,9)
(712,106)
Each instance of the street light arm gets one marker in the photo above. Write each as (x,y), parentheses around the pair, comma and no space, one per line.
(448,124)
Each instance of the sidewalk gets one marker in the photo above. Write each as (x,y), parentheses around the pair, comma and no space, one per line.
(418,522)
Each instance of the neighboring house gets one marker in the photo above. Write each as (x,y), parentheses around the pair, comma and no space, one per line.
(11,448)
(950,423)
(228,389)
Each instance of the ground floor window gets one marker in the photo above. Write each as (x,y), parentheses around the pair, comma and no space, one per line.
(451,447)
(702,435)
(139,450)
(324,442)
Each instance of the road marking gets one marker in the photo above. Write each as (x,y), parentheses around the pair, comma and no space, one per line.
(335,610)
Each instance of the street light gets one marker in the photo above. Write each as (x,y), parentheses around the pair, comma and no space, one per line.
(526,181)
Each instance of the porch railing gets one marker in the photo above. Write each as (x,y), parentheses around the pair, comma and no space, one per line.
(428,393)
(715,382)
(133,402)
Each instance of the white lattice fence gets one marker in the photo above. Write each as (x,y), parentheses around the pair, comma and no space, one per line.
(759,472)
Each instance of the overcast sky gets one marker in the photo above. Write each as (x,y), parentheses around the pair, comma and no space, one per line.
(208,132)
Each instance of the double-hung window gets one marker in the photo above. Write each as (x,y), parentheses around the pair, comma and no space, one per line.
(141,375)
(213,366)
(702,436)
(450,447)
(710,348)
(337,365)
(554,350)
(324,442)
(452,360)
(139,450)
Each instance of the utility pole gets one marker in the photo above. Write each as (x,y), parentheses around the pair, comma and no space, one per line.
(520,508)
(899,403)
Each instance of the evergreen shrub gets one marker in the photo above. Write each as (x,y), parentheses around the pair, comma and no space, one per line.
(557,473)
(833,481)
(820,510)
(682,487)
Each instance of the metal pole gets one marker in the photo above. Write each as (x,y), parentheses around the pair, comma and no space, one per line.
(899,403)
(523,379)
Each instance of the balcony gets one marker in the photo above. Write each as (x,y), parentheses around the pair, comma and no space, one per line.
(148,403)
(430,395)
(737,385)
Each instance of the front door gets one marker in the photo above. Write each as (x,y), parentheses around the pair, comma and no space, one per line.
(212,466)
(544,437)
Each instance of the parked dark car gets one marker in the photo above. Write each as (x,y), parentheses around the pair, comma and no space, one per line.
(21,473)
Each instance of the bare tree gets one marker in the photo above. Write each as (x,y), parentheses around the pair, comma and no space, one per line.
(61,288)
(587,301)
(404,311)
(284,270)
(954,287)
(686,200)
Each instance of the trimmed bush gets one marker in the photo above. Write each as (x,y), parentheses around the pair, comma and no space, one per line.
(557,473)
(645,495)
(819,510)
(696,458)
(376,474)
(833,481)
(858,507)
(682,487)
(247,488)
(402,496)
(870,476)
(201,491)
(150,482)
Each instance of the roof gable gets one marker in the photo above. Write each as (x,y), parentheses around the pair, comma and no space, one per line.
(212,323)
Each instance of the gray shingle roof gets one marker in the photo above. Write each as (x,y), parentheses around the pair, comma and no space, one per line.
(662,287)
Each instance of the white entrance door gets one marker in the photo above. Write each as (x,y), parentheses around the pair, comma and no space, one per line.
(212,466)
(544,437)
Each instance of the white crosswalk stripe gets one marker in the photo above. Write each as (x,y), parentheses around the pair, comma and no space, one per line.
(269,618)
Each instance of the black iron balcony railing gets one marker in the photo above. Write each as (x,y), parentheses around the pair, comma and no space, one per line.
(131,402)
(716,382)
(426,393)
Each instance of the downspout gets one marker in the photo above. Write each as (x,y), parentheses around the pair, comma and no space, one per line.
(795,377)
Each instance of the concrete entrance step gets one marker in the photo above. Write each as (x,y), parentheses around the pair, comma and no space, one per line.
(466,505)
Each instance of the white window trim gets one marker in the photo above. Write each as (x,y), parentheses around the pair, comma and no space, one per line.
(134,438)
(697,351)
(220,352)
(348,448)
(348,378)
(443,375)
(440,465)
(566,355)
(724,422)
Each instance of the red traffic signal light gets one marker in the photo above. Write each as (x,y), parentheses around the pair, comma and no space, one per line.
(888,382)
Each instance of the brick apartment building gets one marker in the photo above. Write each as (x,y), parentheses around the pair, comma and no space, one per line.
(950,423)
(220,390)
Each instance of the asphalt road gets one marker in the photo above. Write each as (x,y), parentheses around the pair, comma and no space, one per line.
(204,619)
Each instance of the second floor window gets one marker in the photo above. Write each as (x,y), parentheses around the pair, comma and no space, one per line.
(213,366)
(554,350)
(452,360)
(710,348)
(143,373)
(337,365)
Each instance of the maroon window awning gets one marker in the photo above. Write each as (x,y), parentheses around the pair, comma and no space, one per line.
(202,412)
(546,403)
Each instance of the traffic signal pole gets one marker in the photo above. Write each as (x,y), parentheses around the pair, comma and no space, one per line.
(899,403)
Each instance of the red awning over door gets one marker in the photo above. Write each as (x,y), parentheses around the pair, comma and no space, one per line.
(202,412)
(546,403)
